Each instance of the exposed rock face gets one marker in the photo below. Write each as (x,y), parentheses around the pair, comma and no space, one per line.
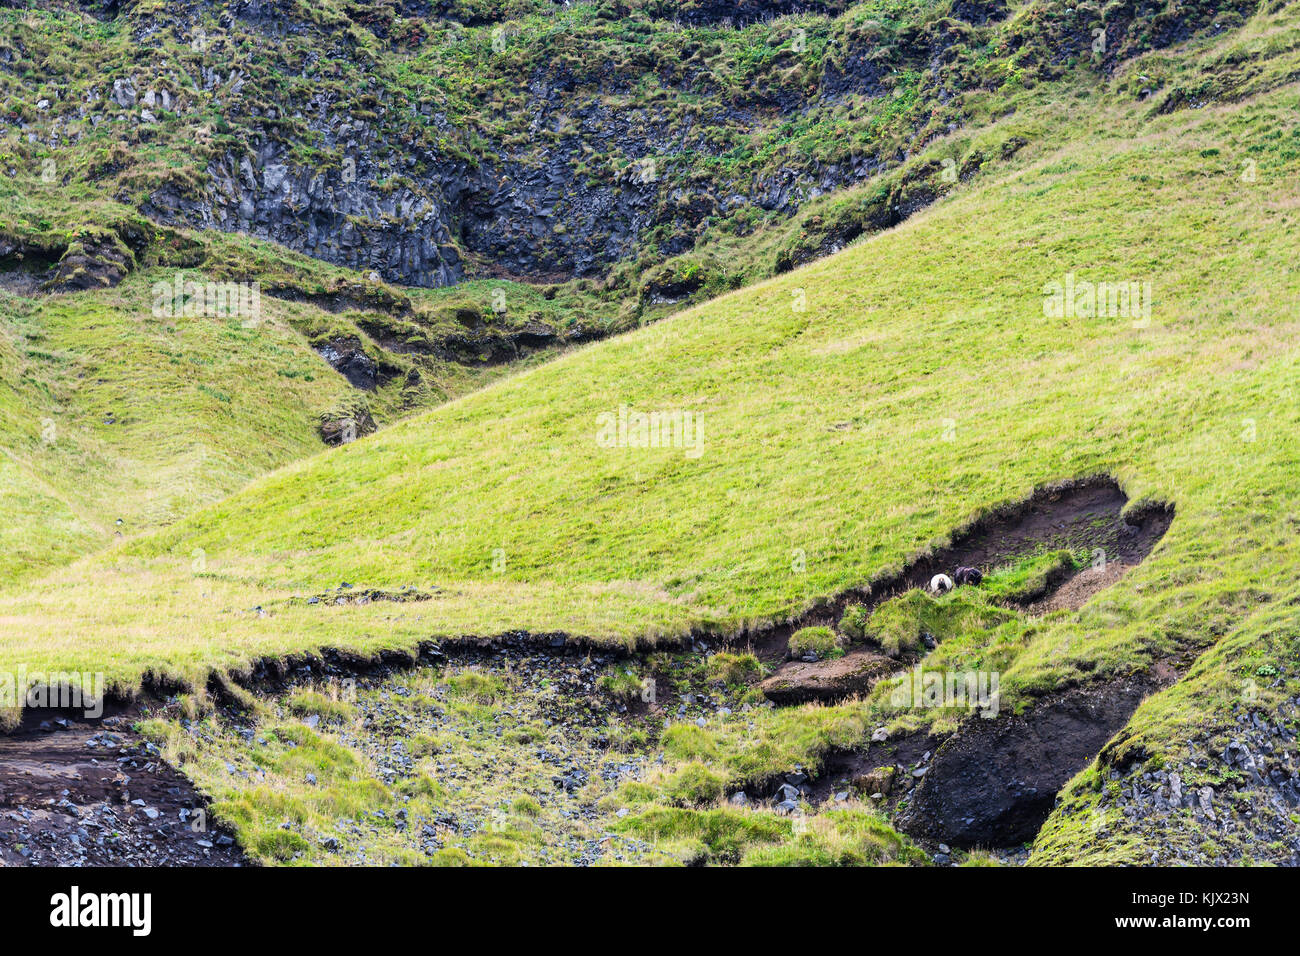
(26,268)
(347,423)
(326,214)
(1247,814)
(528,210)
(348,357)
(97,259)
(506,212)
(994,782)
(511,212)
(979,11)
(93,257)
(95,262)
(429,141)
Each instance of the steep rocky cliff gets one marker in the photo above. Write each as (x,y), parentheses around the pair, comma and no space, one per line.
(428,142)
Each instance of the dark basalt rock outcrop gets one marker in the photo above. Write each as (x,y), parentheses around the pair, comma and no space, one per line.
(348,357)
(383,173)
(488,346)
(346,423)
(979,11)
(95,262)
(424,217)
(328,215)
(93,257)
(993,783)
(26,267)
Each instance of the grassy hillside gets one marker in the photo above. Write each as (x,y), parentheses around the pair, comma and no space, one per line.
(113,409)
(115,421)
(80,166)
(851,414)
(823,428)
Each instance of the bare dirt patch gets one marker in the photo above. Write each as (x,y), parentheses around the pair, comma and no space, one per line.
(1087,514)
(1078,589)
(800,681)
(77,792)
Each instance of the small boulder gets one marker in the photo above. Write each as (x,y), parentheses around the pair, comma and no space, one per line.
(880,780)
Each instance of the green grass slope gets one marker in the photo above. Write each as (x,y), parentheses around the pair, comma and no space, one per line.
(918,384)
(109,414)
(110,411)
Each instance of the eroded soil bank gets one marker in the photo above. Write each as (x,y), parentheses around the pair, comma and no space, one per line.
(994,782)
(1080,517)
(74,791)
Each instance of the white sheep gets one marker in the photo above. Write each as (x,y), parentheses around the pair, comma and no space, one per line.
(940,584)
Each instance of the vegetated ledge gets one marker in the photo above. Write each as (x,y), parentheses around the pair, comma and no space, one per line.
(1060,521)
(263,673)
(993,782)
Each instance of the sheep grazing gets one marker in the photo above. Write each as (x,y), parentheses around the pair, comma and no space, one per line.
(968,575)
(940,584)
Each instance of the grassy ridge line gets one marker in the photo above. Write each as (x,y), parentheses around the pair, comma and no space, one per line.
(933,317)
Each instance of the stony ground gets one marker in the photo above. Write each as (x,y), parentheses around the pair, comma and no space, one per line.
(1251,811)
(510,755)
(82,793)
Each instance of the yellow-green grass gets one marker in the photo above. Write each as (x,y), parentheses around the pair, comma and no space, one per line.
(109,413)
(848,835)
(921,385)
